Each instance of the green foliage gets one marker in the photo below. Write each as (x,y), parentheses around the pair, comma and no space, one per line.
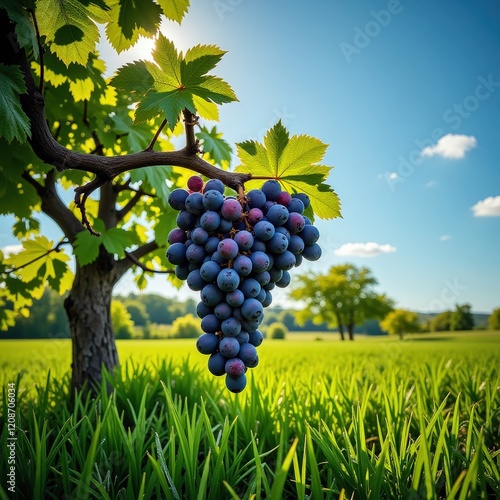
(399,322)
(379,419)
(173,82)
(441,322)
(185,327)
(216,147)
(121,319)
(462,318)
(344,296)
(15,124)
(294,162)
(277,331)
(137,311)
(494,320)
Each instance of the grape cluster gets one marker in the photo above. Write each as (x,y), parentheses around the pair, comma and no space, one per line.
(234,252)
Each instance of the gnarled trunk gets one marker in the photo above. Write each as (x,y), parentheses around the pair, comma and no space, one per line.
(88,307)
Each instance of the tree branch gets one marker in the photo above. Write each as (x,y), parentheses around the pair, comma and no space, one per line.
(155,138)
(123,265)
(120,214)
(145,268)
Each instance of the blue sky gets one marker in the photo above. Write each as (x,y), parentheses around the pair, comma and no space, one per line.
(407,94)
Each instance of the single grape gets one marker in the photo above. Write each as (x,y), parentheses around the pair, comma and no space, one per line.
(176,236)
(231,209)
(256,198)
(209,271)
(235,367)
(296,206)
(211,245)
(242,337)
(285,280)
(186,220)
(231,327)
(277,215)
(194,203)
(295,223)
(195,183)
(255,215)
(242,265)
(250,287)
(215,184)
(268,299)
(303,198)
(312,252)
(252,309)
(260,261)
(211,295)
(271,189)
(254,363)
(275,274)
(264,230)
(235,298)
(203,310)
(225,226)
(199,235)
(247,353)
(244,240)
(176,254)
(284,198)
(278,243)
(228,280)
(182,271)
(208,343)
(217,364)
(256,338)
(210,323)
(228,249)
(195,254)
(213,200)
(210,221)
(223,310)
(258,246)
(236,384)
(296,244)
(229,347)
(194,281)
(177,199)
(310,234)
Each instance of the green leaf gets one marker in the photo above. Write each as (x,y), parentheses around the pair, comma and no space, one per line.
(164,224)
(215,145)
(14,123)
(86,247)
(293,161)
(72,34)
(174,9)
(25,30)
(138,136)
(173,82)
(116,240)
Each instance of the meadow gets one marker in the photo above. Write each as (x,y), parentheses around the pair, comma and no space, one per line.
(319,419)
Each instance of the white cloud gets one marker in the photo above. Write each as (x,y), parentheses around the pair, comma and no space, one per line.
(489,207)
(445,237)
(370,249)
(431,184)
(11,249)
(393,176)
(452,146)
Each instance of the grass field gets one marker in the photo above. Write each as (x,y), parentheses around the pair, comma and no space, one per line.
(376,418)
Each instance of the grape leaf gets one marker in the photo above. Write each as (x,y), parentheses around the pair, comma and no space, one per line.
(116,240)
(293,161)
(138,136)
(86,247)
(164,224)
(173,81)
(25,30)
(72,34)
(174,9)
(155,178)
(14,123)
(215,145)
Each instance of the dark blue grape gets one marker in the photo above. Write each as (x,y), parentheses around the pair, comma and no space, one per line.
(295,223)
(229,347)
(242,337)
(213,200)
(244,239)
(223,310)
(199,235)
(211,295)
(195,254)
(271,285)
(231,326)
(296,243)
(228,280)
(271,189)
(256,338)
(258,246)
(285,260)
(235,367)
(194,203)
(310,234)
(225,226)
(210,221)
(285,231)
(237,384)
(217,364)
(211,245)
(296,206)
(186,220)
(177,199)
(208,343)
(256,198)
(215,184)
(176,254)
(264,230)
(275,274)
(250,287)
(235,298)
(255,215)
(262,278)
(217,257)
(209,271)
(285,280)
(262,296)
(268,299)
(182,271)
(203,310)
(194,281)
(242,265)
(303,198)
(267,206)
(210,323)
(247,353)
(277,215)
(298,259)
(284,198)
(278,243)
(260,261)
(312,252)
(252,309)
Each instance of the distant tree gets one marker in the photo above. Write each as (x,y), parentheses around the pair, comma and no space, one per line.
(277,331)
(288,320)
(399,322)
(462,318)
(441,322)
(342,297)
(121,320)
(186,327)
(494,320)
(137,311)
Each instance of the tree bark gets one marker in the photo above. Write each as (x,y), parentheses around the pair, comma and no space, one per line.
(341,328)
(88,308)
(350,329)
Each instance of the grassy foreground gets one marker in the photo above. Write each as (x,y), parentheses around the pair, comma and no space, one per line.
(373,419)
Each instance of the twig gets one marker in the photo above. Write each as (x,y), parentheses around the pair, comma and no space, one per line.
(41,50)
(155,138)
(145,268)
(81,195)
(190,120)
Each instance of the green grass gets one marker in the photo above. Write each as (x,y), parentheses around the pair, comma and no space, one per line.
(377,418)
